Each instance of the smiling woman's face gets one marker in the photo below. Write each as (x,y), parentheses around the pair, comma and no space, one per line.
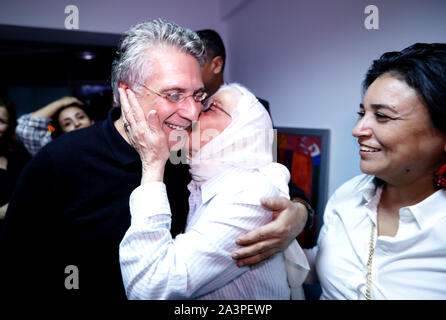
(398,142)
(217,116)
(73,118)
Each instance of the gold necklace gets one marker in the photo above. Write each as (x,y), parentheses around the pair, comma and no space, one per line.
(368,289)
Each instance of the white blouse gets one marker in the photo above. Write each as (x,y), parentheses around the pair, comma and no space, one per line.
(410,265)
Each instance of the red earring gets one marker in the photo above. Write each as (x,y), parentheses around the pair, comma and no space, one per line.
(440,178)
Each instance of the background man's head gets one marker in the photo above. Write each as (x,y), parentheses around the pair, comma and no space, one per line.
(212,70)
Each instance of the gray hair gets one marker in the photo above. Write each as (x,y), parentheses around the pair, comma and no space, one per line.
(132,63)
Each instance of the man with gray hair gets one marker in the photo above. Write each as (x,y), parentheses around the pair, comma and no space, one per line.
(70,210)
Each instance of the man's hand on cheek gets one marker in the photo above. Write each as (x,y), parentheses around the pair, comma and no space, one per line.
(145,134)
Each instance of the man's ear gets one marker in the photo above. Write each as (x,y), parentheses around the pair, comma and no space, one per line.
(123,85)
(217,64)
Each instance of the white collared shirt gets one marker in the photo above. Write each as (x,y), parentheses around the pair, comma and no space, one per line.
(198,263)
(410,265)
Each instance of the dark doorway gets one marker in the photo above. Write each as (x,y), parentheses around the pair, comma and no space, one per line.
(40,65)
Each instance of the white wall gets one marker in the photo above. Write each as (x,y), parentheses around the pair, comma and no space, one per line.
(112,16)
(308,58)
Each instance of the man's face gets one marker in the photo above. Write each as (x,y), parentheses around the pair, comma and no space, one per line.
(173,72)
(208,74)
(211,73)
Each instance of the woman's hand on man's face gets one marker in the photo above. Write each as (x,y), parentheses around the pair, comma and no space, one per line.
(145,135)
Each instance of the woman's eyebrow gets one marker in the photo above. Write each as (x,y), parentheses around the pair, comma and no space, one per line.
(380,106)
(384,106)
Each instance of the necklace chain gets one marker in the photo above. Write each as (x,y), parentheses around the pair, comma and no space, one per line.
(368,290)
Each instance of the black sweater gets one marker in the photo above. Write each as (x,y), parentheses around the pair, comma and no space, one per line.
(71,207)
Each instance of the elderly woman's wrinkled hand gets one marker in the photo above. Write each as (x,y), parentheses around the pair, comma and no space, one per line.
(145,135)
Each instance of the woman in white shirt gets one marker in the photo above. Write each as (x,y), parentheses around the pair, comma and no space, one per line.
(384,233)
(231,167)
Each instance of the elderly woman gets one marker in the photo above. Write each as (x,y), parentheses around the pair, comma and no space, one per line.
(384,231)
(231,167)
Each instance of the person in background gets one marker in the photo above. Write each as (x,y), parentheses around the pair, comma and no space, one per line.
(384,231)
(40,127)
(13,155)
(69,118)
(214,66)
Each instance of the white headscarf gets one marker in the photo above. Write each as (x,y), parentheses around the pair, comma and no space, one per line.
(246,142)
